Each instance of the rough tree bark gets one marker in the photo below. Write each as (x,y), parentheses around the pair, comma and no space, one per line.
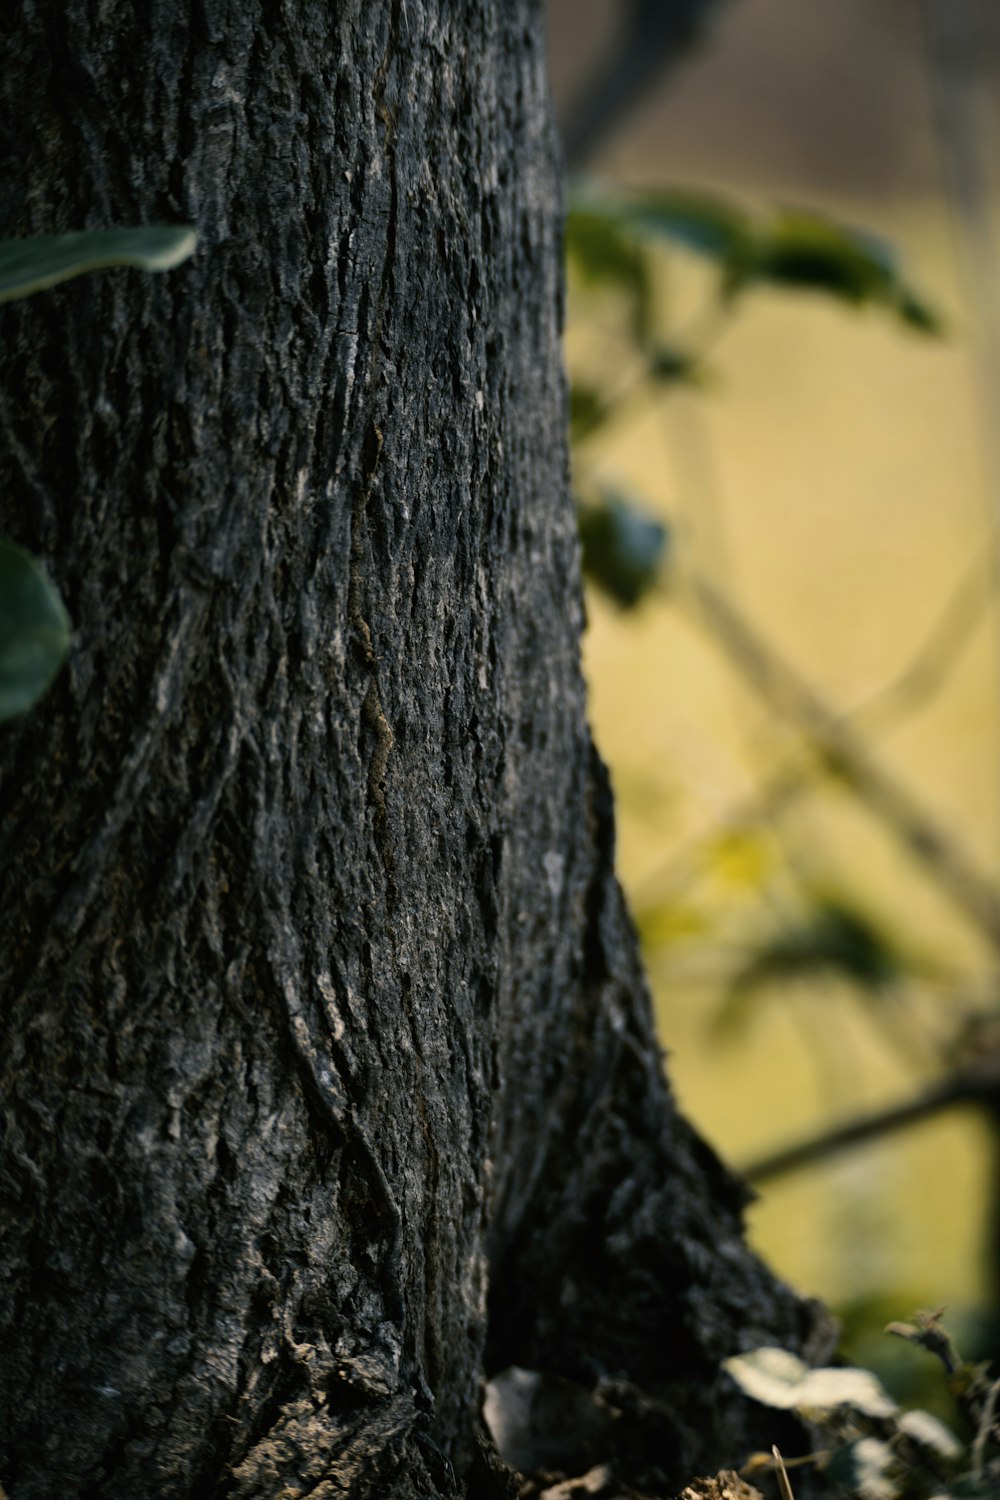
(328,1075)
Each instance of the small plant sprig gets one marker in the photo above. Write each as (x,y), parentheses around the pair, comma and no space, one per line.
(876,1450)
(973,1392)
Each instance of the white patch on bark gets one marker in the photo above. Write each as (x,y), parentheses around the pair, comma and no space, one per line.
(554,864)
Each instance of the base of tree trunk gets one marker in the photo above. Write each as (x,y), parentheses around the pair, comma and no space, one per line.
(329,1081)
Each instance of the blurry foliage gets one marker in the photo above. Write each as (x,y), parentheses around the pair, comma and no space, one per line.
(793,249)
(834,938)
(607,256)
(611,243)
(618,246)
(623,548)
(873,1448)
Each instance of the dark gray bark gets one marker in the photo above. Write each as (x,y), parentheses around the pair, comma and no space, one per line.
(322,1015)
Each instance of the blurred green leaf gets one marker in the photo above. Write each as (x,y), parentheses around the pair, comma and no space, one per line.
(701,222)
(793,249)
(31,265)
(34,630)
(623,549)
(835,938)
(918,314)
(811,253)
(658,926)
(804,250)
(741,857)
(668,365)
(606,256)
(587,411)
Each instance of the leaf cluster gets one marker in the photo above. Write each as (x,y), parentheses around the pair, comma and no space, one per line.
(876,1450)
(793,249)
(611,244)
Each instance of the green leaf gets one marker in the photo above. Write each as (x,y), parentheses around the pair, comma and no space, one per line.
(782,1380)
(34,630)
(668,365)
(587,411)
(670,922)
(794,249)
(601,252)
(623,549)
(810,253)
(30,265)
(835,938)
(804,250)
(701,222)
(605,256)
(917,314)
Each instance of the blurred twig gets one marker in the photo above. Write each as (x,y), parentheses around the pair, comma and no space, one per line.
(967,125)
(930,664)
(795,774)
(652,35)
(847,756)
(976,1083)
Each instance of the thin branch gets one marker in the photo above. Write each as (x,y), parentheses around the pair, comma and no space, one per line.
(947,637)
(984,1435)
(849,758)
(979,1084)
(966,124)
(654,36)
(796,773)
(784,786)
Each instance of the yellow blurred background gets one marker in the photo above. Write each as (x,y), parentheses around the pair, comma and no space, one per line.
(831,481)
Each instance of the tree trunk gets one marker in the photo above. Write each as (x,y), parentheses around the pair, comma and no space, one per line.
(329,1080)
